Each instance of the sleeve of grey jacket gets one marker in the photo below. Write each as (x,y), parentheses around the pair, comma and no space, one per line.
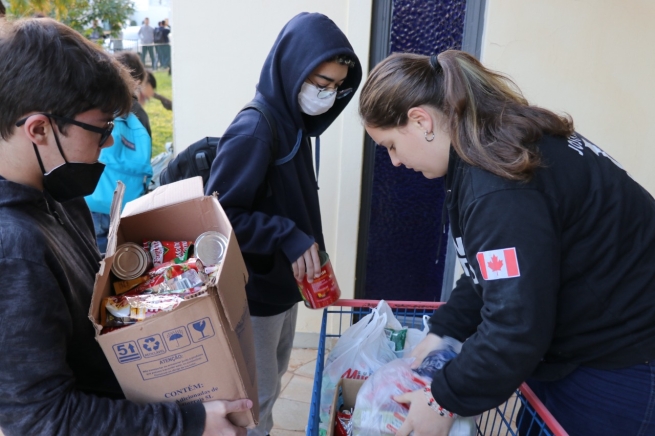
(37,394)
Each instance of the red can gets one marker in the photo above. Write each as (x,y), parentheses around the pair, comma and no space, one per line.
(324,290)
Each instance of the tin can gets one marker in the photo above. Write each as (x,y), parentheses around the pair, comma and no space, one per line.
(210,248)
(130,261)
(324,290)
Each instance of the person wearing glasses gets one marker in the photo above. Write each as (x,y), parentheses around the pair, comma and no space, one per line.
(270,192)
(60,94)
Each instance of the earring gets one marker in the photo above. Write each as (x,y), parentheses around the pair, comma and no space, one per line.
(429,139)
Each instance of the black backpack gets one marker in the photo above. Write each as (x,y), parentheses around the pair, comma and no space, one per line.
(197,159)
(157,35)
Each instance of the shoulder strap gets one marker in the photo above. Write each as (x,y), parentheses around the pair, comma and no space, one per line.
(261,108)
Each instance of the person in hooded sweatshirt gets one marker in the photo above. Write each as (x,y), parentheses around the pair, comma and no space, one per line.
(270,193)
(59,94)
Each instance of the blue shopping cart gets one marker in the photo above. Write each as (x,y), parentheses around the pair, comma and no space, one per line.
(504,420)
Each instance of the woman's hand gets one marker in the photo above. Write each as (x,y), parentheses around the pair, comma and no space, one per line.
(429,343)
(216,422)
(309,261)
(422,419)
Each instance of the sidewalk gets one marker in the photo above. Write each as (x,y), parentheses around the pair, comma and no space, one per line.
(291,410)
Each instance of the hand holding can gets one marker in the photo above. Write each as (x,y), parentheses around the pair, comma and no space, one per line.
(323,290)
(309,261)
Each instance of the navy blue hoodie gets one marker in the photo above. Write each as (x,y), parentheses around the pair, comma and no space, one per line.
(581,291)
(274,209)
(54,378)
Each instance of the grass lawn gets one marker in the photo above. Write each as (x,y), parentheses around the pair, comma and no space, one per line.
(161,120)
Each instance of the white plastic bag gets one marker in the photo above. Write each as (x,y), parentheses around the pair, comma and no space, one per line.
(360,351)
(415,336)
(378,414)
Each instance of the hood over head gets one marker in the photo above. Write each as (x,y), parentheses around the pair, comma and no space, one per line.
(304,43)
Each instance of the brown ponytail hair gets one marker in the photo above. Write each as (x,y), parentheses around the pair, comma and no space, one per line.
(491,124)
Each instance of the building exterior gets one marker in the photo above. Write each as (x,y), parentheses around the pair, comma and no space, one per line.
(589,58)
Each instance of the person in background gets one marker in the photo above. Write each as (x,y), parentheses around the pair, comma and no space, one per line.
(100,200)
(148,91)
(147,37)
(3,11)
(140,75)
(163,45)
(307,80)
(60,93)
(557,244)
(97,32)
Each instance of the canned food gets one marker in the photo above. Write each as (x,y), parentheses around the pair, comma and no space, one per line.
(130,261)
(165,251)
(324,290)
(210,248)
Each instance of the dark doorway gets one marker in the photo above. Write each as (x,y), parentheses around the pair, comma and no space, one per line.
(401,212)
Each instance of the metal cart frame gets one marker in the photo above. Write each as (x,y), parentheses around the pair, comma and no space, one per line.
(503,420)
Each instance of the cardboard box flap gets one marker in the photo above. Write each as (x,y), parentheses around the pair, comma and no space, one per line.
(236,305)
(166,195)
(114,215)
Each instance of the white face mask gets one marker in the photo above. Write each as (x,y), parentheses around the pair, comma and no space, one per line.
(310,103)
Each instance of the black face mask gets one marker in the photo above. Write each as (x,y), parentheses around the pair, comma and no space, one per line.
(71,179)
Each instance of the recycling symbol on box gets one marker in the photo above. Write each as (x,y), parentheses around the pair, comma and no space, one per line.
(152,345)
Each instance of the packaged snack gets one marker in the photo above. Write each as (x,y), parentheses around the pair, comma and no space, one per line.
(343,424)
(376,413)
(397,337)
(125,285)
(168,251)
(437,359)
(121,310)
(171,278)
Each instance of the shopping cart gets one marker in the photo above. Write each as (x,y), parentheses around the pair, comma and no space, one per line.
(503,420)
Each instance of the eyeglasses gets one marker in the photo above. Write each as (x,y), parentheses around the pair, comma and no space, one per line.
(326,92)
(105,133)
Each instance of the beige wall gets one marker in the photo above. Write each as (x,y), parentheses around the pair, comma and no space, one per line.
(591,58)
(218,51)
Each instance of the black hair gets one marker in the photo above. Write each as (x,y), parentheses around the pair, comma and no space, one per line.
(46,66)
(133,63)
(151,79)
(344,60)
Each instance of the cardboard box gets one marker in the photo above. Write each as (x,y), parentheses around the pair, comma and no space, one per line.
(348,388)
(203,350)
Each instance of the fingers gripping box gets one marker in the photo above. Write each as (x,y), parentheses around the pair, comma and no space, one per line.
(202,350)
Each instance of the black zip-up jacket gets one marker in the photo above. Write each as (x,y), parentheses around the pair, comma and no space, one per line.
(54,377)
(577,247)
(274,209)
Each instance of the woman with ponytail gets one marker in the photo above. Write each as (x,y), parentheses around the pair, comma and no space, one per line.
(556,241)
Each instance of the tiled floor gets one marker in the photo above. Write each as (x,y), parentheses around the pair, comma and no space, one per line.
(291,410)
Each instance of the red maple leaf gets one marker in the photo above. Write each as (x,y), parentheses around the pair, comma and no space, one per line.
(495,264)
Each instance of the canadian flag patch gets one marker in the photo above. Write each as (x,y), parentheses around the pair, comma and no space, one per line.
(499,264)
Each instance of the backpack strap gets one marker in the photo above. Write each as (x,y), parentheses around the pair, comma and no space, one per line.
(261,108)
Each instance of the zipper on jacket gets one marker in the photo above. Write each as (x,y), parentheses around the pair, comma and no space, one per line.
(53,212)
(442,225)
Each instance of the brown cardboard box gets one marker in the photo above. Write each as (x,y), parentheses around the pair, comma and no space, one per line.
(203,350)
(349,389)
